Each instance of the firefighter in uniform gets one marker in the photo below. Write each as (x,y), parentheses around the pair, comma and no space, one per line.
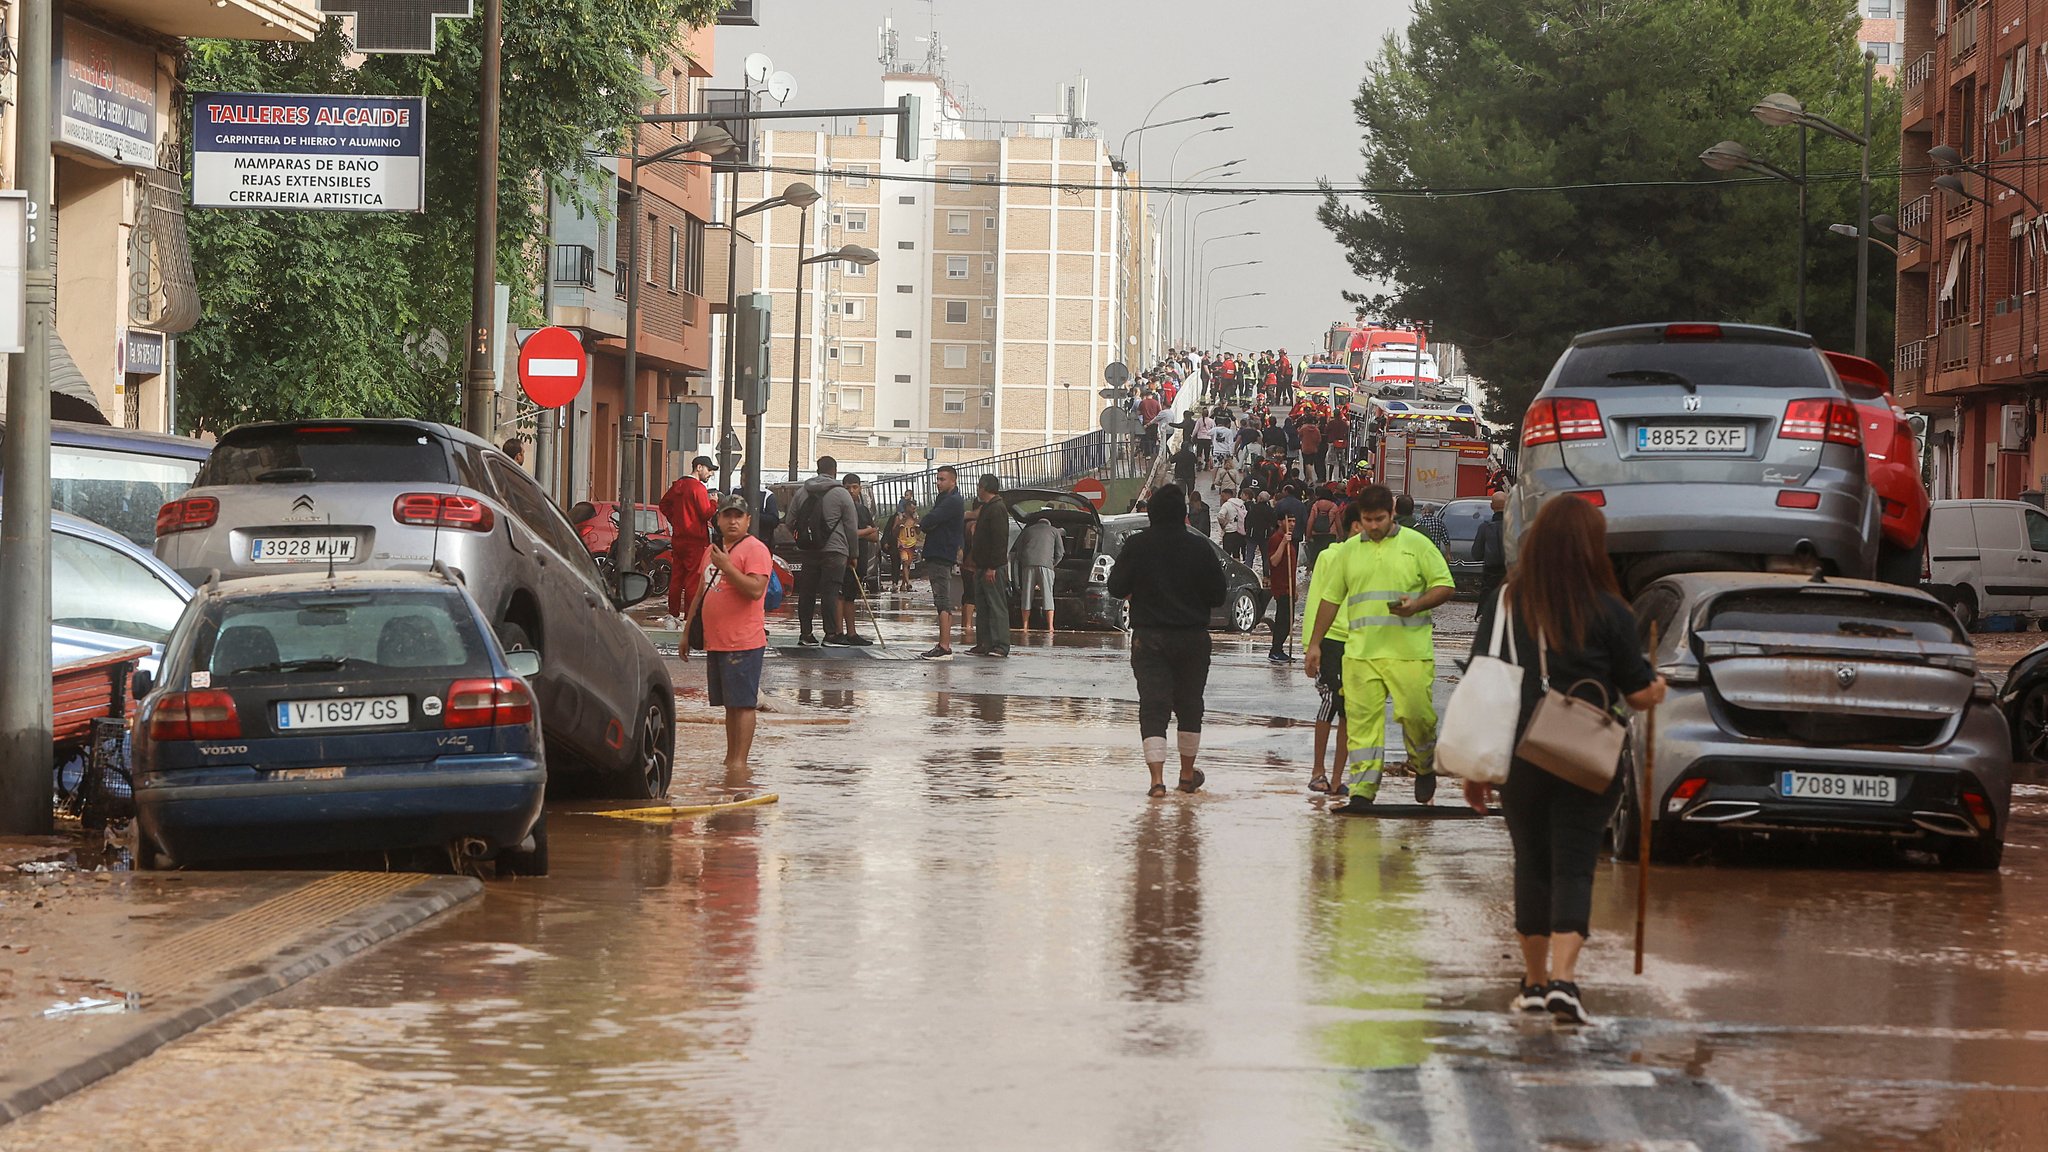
(1390,580)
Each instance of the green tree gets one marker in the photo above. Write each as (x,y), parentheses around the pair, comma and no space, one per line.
(1624,94)
(307,313)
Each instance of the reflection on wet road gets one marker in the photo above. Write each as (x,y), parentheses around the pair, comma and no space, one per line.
(966,927)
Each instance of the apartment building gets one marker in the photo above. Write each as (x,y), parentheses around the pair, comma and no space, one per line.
(124,271)
(1971,266)
(1006,282)
(1879,34)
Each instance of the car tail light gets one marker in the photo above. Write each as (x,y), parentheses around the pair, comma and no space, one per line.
(443,510)
(1692,332)
(1831,420)
(1798,499)
(187,515)
(488,703)
(201,714)
(1687,789)
(1593,496)
(1980,808)
(1565,418)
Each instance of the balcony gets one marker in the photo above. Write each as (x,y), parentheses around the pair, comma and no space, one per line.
(221,19)
(1909,369)
(575,264)
(1913,82)
(1964,31)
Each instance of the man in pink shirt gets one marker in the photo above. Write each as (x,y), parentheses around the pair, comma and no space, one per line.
(736,626)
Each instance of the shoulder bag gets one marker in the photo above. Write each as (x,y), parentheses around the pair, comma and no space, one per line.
(1477,739)
(1573,740)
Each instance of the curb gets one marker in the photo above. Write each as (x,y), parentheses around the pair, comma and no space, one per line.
(296,962)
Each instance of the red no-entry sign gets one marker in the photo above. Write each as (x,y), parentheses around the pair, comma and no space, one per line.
(1091,490)
(552,365)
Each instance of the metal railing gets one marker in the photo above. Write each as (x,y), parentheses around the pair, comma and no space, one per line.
(1952,349)
(1963,33)
(1913,80)
(1914,216)
(575,264)
(1909,369)
(1101,454)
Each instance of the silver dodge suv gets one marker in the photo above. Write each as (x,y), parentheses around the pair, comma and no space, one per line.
(404,494)
(1711,447)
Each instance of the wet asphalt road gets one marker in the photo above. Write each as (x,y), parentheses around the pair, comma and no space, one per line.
(965,927)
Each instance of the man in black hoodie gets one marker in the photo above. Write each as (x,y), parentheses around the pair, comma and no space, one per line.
(1173,581)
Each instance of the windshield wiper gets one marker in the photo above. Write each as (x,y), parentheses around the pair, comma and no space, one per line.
(309,664)
(285,476)
(1655,376)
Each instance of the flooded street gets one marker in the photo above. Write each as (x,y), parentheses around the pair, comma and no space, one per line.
(965,926)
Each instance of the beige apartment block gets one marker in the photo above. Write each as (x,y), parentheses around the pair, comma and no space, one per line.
(1010,270)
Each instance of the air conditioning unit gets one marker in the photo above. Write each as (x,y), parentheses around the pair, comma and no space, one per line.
(874,441)
(2012,428)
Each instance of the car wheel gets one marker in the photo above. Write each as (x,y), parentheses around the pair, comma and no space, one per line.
(658,576)
(1973,855)
(1244,611)
(148,857)
(1963,603)
(651,757)
(2030,724)
(1625,826)
(533,861)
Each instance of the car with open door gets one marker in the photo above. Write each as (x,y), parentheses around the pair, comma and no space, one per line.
(1816,708)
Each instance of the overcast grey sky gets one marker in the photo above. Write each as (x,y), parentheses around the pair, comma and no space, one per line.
(1294,65)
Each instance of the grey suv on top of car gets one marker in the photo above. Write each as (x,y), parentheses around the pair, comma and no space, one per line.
(403,494)
(1710,446)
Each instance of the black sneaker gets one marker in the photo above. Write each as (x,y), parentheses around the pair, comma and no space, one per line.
(1425,788)
(1531,999)
(856,640)
(977,650)
(936,653)
(998,652)
(838,640)
(1353,806)
(1563,1002)
(808,641)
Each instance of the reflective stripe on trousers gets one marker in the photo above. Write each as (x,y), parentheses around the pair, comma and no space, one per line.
(1368,686)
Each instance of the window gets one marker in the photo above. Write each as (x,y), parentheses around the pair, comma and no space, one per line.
(904,333)
(956,224)
(856,175)
(849,399)
(2015,270)
(854,269)
(988,312)
(541,517)
(693,262)
(1878,9)
(904,379)
(958,173)
(2037,531)
(988,222)
(342,454)
(96,587)
(907,245)
(906,199)
(119,489)
(956,311)
(831,353)
(956,355)
(953,401)
(905,289)
(989,177)
(988,399)
(301,634)
(901,423)
(853,354)
(653,230)
(987,357)
(956,267)
(951,442)
(856,309)
(1881,49)
(675,258)
(856,221)
(988,266)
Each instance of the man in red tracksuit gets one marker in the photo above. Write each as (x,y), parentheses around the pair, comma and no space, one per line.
(687,505)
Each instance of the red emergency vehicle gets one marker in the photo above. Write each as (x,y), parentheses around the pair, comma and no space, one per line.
(1429,451)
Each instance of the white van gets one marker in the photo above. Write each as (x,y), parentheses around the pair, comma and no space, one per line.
(1989,558)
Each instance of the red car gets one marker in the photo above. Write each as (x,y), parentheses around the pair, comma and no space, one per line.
(599,532)
(1892,456)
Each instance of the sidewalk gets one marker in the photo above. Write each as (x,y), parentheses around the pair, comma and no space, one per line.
(171,951)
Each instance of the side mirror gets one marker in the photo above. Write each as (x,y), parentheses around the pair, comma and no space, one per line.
(633,588)
(143,683)
(524,662)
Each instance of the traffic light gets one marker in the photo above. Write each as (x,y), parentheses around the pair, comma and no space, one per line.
(909,125)
(750,353)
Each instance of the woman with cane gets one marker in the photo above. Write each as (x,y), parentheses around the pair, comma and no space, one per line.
(1567,615)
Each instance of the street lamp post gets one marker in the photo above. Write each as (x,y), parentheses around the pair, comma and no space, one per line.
(1238,328)
(1216,306)
(852,254)
(709,142)
(1780,109)
(1155,107)
(1210,278)
(1849,230)
(1730,156)
(1175,258)
(1194,229)
(1889,225)
(1201,262)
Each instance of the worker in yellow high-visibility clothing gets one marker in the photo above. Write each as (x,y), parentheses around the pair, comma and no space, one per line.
(1391,578)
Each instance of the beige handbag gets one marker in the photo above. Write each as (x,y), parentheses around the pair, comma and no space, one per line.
(1578,742)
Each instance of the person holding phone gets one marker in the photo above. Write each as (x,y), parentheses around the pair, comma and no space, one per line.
(736,626)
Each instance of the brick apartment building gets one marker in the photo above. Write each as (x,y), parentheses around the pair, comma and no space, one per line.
(1969,302)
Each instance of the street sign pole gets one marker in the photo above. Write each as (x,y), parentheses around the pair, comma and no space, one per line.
(479,399)
(25,705)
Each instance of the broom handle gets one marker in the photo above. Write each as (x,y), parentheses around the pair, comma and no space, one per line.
(1646,815)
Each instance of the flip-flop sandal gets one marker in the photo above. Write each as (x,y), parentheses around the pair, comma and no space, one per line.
(1193,786)
(1319,784)
(1157,791)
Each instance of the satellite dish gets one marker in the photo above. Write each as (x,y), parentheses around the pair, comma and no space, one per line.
(781,86)
(759,66)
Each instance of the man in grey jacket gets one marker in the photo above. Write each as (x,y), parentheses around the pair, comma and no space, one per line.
(817,586)
(1037,552)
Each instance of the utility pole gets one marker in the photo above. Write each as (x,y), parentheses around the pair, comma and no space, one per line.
(25,706)
(479,394)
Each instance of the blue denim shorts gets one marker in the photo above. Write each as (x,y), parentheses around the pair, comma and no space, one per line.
(734,678)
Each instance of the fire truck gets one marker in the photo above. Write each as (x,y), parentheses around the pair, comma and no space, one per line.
(1383,359)
(1429,451)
